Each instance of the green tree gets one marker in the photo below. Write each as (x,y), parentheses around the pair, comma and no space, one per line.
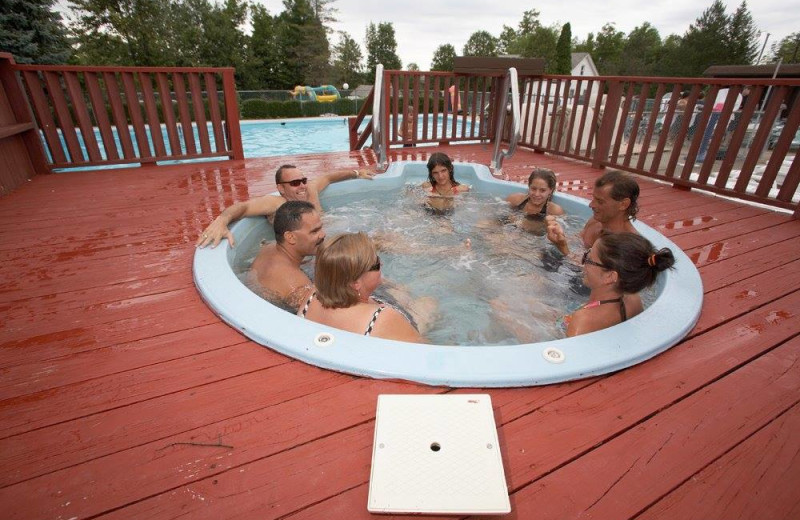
(788,49)
(223,42)
(481,43)
(506,40)
(381,48)
(670,61)
(608,50)
(32,31)
(563,63)
(443,58)
(706,41)
(262,50)
(641,51)
(742,37)
(304,52)
(412,67)
(347,58)
(324,11)
(587,45)
(118,32)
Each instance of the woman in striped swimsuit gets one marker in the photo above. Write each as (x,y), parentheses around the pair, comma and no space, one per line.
(347,271)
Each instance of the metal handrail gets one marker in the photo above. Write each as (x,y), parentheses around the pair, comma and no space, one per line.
(378,144)
(498,155)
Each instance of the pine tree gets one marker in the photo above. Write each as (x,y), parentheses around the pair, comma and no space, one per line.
(381,48)
(32,31)
(742,37)
(564,50)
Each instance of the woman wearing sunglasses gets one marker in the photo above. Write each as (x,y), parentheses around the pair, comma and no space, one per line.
(616,268)
(347,271)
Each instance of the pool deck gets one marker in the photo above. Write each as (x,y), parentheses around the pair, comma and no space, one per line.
(124,396)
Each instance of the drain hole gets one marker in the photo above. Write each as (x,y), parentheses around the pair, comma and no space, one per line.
(435,446)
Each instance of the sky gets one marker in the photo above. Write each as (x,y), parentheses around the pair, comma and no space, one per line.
(423,25)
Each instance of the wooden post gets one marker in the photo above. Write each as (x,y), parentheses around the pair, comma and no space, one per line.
(19,138)
(607,125)
(232,113)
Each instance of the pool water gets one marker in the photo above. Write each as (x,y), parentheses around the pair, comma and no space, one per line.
(294,136)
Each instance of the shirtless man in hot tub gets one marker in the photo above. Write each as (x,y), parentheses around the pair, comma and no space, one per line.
(276,270)
(292,185)
(614,206)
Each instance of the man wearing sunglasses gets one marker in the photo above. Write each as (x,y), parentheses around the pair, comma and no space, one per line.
(292,185)
(614,206)
(276,269)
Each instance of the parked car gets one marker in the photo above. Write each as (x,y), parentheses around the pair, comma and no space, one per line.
(775,134)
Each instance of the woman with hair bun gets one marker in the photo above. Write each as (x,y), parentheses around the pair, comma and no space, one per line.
(616,268)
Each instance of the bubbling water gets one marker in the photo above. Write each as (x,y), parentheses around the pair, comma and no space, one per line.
(494,283)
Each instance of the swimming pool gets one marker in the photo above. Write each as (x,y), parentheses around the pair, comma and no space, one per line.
(259,139)
(676,309)
(294,136)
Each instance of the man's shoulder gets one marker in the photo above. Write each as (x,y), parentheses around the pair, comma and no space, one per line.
(266,204)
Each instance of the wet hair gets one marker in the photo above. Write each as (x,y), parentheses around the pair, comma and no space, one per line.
(289,217)
(634,258)
(548,176)
(440,159)
(623,186)
(340,262)
(279,172)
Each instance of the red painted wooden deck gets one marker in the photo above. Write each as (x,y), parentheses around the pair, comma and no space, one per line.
(123,396)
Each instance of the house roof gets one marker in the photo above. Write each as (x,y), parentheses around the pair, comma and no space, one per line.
(753,71)
(577,57)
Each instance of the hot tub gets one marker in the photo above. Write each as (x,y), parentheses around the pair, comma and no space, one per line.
(673,313)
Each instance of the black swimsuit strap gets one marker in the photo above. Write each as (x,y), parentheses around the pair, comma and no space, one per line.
(373,320)
(542,212)
(622,312)
(308,302)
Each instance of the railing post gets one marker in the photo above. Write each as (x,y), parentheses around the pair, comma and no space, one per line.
(232,113)
(21,123)
(607,124)
(352,131)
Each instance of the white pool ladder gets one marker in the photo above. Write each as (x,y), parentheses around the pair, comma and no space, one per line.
(510,80)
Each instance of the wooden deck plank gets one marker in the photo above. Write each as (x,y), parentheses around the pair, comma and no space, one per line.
(659,454)
(48,449)
(766,465)
(258,437)
(36,375)
(101,298)
(721,249)
(31,344)
(728,302)
(98,394)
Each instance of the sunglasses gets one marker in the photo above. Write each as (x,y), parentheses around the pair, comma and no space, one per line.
(295,183)
(587,260)
(377,265)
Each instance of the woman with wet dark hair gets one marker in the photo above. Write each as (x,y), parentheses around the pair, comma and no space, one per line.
(441,180)
(616,268)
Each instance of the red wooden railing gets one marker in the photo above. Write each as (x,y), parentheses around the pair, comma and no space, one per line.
(21,154)
(746,150)
(90,116)
(444,108)
(737,147)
